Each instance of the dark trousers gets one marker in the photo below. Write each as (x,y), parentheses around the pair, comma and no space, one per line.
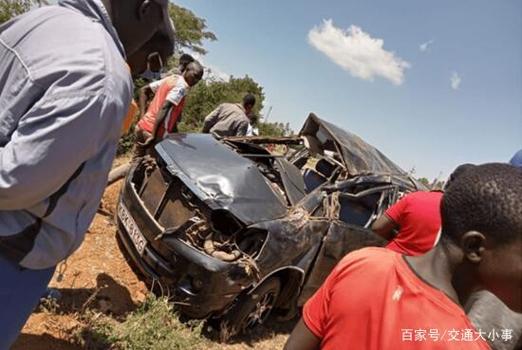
(20,292)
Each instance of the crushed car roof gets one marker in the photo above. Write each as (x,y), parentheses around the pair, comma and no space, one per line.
(357,156)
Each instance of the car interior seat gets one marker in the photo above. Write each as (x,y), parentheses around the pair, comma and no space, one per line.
(315,177)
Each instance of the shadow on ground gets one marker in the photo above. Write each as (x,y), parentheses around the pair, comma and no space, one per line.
(108,297)
(269,330)
(42,342)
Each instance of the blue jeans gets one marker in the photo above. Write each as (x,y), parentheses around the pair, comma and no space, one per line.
(20,292)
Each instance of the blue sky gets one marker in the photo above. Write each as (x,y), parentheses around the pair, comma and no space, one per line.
(368,71)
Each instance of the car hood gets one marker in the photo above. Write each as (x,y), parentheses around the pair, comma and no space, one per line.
(220,177)
(357,156)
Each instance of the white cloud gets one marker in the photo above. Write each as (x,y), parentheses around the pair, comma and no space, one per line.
(455,80)
(214,73)
(425,46)
(357,52)
(211,72)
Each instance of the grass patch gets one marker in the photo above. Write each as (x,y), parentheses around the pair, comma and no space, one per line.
(153,326)
(126,143)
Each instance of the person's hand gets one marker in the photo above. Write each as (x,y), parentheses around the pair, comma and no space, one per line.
(148,142)
(149,164)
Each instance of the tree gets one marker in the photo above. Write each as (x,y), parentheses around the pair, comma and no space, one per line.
(274,129)
(424,181)
(270,129)
(12,8)
(191,30)
(208,94)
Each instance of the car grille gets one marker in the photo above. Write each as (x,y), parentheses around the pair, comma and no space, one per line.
(175,213)
(167,199)
(153,191)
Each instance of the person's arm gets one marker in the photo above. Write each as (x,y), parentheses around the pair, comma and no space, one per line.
(302,339)
(160,119)
(180,119)
(384,227)
(211,120)
(143,98)
(147,92)
(242,128)
(51,142)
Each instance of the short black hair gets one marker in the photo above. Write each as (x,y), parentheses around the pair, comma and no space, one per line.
(485,198)
(184,60)
(457,172)
(249,100)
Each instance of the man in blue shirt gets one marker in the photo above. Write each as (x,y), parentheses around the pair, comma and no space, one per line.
(64,90)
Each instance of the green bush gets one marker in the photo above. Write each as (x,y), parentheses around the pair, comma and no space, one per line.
(126,144)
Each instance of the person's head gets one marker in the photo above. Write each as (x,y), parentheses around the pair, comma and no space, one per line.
(150,56)
(482,226)
(137,21)
(456,173)
(193,73)
(184,61)
(249,101)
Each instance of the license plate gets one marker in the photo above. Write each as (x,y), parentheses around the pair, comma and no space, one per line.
(136,236)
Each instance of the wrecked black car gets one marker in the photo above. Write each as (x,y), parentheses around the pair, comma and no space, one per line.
(232,231)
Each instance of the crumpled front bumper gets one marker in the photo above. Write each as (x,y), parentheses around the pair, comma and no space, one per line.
(200,285)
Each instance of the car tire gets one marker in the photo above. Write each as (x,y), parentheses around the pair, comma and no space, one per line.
(250,309)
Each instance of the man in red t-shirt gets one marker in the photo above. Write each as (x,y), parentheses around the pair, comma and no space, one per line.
(417,216)
(166,107)
(376,298)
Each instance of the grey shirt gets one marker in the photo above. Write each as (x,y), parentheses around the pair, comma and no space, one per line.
(228,119)
(490,315)
(64,90)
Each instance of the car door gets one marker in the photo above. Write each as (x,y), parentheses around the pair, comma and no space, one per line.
(349,218)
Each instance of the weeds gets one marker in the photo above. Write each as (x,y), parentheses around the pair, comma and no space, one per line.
(126,143)
(48,305)
(153,326)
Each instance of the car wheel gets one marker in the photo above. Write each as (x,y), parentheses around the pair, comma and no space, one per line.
(250,309)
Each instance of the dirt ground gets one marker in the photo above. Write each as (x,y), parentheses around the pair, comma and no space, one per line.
(98,277)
